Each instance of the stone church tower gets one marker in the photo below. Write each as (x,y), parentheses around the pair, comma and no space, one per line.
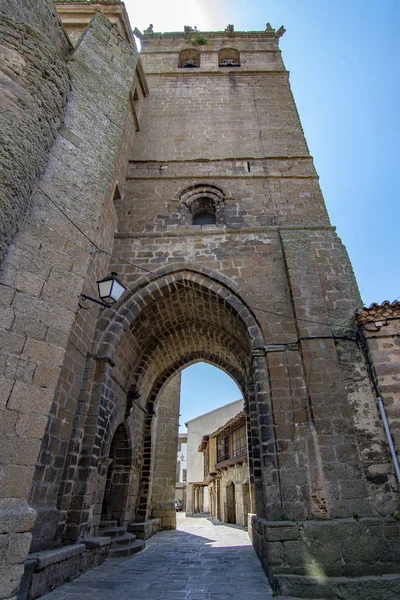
(187,172)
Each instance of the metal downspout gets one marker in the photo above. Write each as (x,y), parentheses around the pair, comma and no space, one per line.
(364,348)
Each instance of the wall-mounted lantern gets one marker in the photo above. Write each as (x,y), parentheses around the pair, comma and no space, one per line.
(110,291)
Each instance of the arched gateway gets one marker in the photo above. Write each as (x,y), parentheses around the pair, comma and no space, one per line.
(196,185)
(169,321)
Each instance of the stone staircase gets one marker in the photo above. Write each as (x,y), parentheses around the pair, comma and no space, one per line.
(123,543)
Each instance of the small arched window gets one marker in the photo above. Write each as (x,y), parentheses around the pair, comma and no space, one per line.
(202,204)
(228,57)
(189,58)
(205,218)
(203,211)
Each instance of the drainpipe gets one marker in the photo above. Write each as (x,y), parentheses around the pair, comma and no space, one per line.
(29,567)
(389,437)
(364,348)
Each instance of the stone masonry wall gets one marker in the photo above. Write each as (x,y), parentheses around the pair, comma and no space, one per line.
(239,475)
(34,88)
(116,134)
(45,270)
(380,324)
(267,294)
(165,451)
(234,135)
(42,16)
(316,559)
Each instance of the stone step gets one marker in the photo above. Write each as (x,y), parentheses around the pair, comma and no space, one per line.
(127,549)
(128,538)
(105,524)
(113,531)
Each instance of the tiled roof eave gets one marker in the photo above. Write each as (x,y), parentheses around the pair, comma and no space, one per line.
(378,312)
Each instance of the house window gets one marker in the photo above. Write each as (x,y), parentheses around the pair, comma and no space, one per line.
(238,442)
(228,57)
(223,448)
(189,58)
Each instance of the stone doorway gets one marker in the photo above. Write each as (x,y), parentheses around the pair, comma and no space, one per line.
(117,481)
(219,514)
(230,503)
(246,502)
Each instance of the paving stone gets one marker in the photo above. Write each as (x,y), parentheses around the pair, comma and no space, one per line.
(198,561)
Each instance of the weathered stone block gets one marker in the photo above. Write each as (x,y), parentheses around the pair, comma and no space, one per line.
(51,557)
(5,391)
(16,516)
(30,399)
(8,420)
(44,352)
(10,577)
(21,451)
(15,480)
(14,547)
(277,532)
(274,554)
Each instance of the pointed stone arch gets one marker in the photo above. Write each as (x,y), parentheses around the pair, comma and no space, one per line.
(172,318)
(152,288)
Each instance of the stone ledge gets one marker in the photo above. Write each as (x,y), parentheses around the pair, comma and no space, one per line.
(343,588)
(340,554)
(146,529)
(61,565)
(50,557)
(96,542)
(182,231)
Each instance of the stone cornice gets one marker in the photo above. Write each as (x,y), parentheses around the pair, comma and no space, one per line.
(183,231)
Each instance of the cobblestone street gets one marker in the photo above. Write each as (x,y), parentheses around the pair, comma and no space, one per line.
(198,561)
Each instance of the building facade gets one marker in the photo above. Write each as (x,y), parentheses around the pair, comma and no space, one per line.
(226,472)
(181,469)
(185,170)
(198,500)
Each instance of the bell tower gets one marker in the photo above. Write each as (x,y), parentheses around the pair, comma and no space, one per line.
(185,170)
(221,186)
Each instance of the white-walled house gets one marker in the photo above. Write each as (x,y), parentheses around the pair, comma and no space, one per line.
(197,494)
(181,469)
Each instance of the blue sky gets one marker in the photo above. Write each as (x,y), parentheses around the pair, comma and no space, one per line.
(204,388)
(343,56)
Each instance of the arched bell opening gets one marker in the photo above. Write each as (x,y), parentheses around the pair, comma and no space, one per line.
(189,58)
(228,57)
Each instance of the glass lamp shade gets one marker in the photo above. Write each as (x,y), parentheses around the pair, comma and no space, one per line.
(110,289)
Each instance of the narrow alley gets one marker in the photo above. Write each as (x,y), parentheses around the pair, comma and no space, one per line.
(198,561)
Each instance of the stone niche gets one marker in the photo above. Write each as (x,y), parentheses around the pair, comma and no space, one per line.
(330,559)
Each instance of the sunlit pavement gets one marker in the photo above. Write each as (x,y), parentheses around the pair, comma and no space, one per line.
(198,561)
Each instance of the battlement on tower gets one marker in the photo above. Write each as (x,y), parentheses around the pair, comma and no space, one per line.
(212,40)
(192,51)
